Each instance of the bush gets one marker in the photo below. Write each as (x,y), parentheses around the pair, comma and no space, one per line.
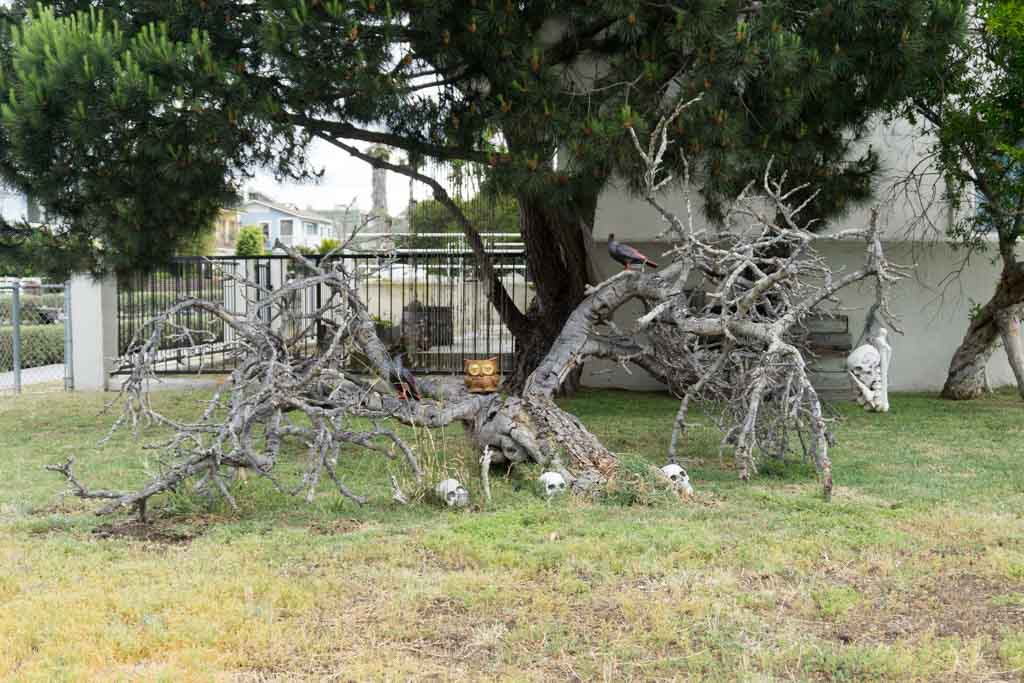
(329,245)
(30,305)
(40,345)
(250,241)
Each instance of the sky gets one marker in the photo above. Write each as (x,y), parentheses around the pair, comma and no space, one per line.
(345,179)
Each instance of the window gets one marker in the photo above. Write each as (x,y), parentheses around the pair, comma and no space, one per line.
(286,227)
(312,229)
(266,230)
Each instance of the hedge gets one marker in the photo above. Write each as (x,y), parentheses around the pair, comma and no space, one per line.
(40,345)
(30,305)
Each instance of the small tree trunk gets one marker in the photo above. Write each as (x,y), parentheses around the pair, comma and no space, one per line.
(557,242)
(1009,328)
(966,378)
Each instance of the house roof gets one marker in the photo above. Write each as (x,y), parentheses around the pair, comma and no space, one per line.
(290,210)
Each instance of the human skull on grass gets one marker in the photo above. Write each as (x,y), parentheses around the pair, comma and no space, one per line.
(552,484)
(452,493)
(679,478)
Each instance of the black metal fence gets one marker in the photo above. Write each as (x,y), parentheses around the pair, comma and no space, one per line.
(430,303)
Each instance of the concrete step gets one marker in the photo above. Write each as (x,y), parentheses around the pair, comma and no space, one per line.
(821,324)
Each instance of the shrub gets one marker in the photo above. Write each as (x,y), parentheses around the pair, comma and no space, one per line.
(250,241)
(329,245)
(40,345)
(30,305)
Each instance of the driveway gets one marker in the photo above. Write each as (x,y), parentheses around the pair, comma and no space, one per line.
(45,374)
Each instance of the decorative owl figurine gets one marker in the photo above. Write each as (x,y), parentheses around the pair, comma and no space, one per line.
(482,375)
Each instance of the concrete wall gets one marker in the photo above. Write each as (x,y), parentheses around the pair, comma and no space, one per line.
(918,213)
(932,307)
(93,331)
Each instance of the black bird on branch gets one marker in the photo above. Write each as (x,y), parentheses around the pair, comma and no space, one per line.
(627,255)
(403,380)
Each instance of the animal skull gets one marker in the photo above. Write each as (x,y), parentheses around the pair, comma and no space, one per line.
(452,493)
(678,476)
(552,483)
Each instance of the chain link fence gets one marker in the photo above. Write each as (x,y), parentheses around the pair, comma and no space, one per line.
(35,337)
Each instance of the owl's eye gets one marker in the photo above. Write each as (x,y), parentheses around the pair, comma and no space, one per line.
(488,368)
(474,369)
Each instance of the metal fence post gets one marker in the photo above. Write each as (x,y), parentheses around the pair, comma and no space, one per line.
(69,349)
(16,335)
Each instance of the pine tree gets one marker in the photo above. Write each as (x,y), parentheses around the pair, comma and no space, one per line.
(155,108)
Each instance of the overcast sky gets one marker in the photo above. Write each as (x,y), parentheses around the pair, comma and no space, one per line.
(345,179)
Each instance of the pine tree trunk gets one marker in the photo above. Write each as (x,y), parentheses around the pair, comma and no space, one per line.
(966,377)
(1009,328)
(557,242)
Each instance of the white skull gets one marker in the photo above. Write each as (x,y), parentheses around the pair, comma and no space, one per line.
(452,493)
(552,483)
(865,367)
(678,476)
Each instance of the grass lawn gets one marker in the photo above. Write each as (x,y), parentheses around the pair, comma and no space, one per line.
(915,571)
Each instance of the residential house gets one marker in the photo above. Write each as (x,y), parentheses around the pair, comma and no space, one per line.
(293,226)
(226,228)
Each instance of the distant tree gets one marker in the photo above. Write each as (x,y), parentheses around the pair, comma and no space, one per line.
(250,241)
(490,213)
(200,244)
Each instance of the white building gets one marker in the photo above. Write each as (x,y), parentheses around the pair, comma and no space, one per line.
(933,305)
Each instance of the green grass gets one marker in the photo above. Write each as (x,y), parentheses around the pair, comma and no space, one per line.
(915,570)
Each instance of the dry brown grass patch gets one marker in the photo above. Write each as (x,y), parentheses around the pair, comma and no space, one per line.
(950,604)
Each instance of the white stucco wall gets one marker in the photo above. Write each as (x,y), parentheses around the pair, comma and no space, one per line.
(933,309)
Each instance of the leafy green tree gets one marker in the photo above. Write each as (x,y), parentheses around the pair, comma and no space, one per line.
(182,96)
(203,243)
(498,214)
(974,109)
(250,241)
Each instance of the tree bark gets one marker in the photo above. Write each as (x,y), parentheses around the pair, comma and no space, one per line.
(557,242)
(1009,328)
(966,377)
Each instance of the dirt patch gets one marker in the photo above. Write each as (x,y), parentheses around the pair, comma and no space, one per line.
(961,604)
(153,532)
